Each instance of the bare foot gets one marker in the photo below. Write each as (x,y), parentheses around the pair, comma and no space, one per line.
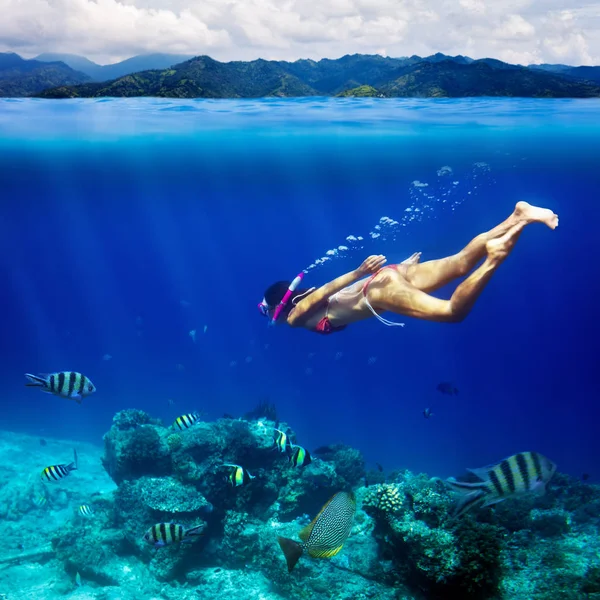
(535,214)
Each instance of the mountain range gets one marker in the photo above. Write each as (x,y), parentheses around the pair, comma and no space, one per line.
(97,72)
(161,75)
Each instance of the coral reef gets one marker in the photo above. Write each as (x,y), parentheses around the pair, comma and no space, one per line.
(404,543)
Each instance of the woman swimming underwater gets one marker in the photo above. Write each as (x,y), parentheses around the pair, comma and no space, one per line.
(403,289)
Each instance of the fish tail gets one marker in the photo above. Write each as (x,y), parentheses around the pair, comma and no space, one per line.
(468,501)
(465,486)
(292,551)
(198,530)
(472,493)
(35,381)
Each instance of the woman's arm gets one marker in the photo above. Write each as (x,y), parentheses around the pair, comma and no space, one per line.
(308,305)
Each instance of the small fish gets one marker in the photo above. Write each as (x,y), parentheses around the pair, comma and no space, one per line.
(163,534)
(43,442)
(324,537)
(40,500)
(379,467)
(585,476)
(85,510)
(67,384)
(185,421)
(56,472)
(227,416)
(514,476)
(427,413)
(170,402)
(192,334)
(300,457)
(78,579)
(447,387)
(107,357)
(205,328)
(281,440)
(238,475)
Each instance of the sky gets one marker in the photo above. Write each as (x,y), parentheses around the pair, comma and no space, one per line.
(106,31)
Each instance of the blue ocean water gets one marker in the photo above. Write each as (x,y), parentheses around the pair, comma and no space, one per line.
(126,224)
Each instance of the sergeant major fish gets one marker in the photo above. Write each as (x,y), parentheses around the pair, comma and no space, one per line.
(56,472)
(163,534)
(324,537)
(85,510)
(516,475)
(67,384)
(185,421)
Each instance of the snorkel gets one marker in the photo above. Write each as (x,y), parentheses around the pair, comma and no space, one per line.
(264,307)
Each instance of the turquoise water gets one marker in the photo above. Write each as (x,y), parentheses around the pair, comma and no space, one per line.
(127,224)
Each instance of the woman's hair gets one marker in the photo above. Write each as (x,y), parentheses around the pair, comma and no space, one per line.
(276,292)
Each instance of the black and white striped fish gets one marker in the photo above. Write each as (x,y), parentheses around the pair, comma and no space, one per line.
(163,534)
(326,534)
(85,510)
(67,384)
(281,440)
(516,475)
(300,457)
(185,421)
(56,472)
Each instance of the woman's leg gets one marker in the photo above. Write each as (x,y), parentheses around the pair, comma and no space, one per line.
(434,274)
(394,293)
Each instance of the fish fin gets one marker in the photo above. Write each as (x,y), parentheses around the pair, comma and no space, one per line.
(466,486)
(315,553)
(306,531)
(159,544)
(467,501)
(198,530)
(492,501)
(231,465)
(35,381)
(251,476)
(482,472)
(291,550)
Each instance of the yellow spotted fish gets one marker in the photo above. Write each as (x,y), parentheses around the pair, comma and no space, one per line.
(185,421)
(56,472)
(67,384)
(324,537)
(514,476)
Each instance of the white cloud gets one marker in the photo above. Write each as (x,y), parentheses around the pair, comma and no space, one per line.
(110,30)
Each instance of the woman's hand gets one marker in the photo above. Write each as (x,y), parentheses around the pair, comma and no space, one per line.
(371,265)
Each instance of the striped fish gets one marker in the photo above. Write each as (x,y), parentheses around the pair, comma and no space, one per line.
(185,421)
(40,500)
(281,440)
(514,476)
(67,384)
(300,457)
(326,534)
(56,472)
(85,510)
(163,534)
(238,475)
